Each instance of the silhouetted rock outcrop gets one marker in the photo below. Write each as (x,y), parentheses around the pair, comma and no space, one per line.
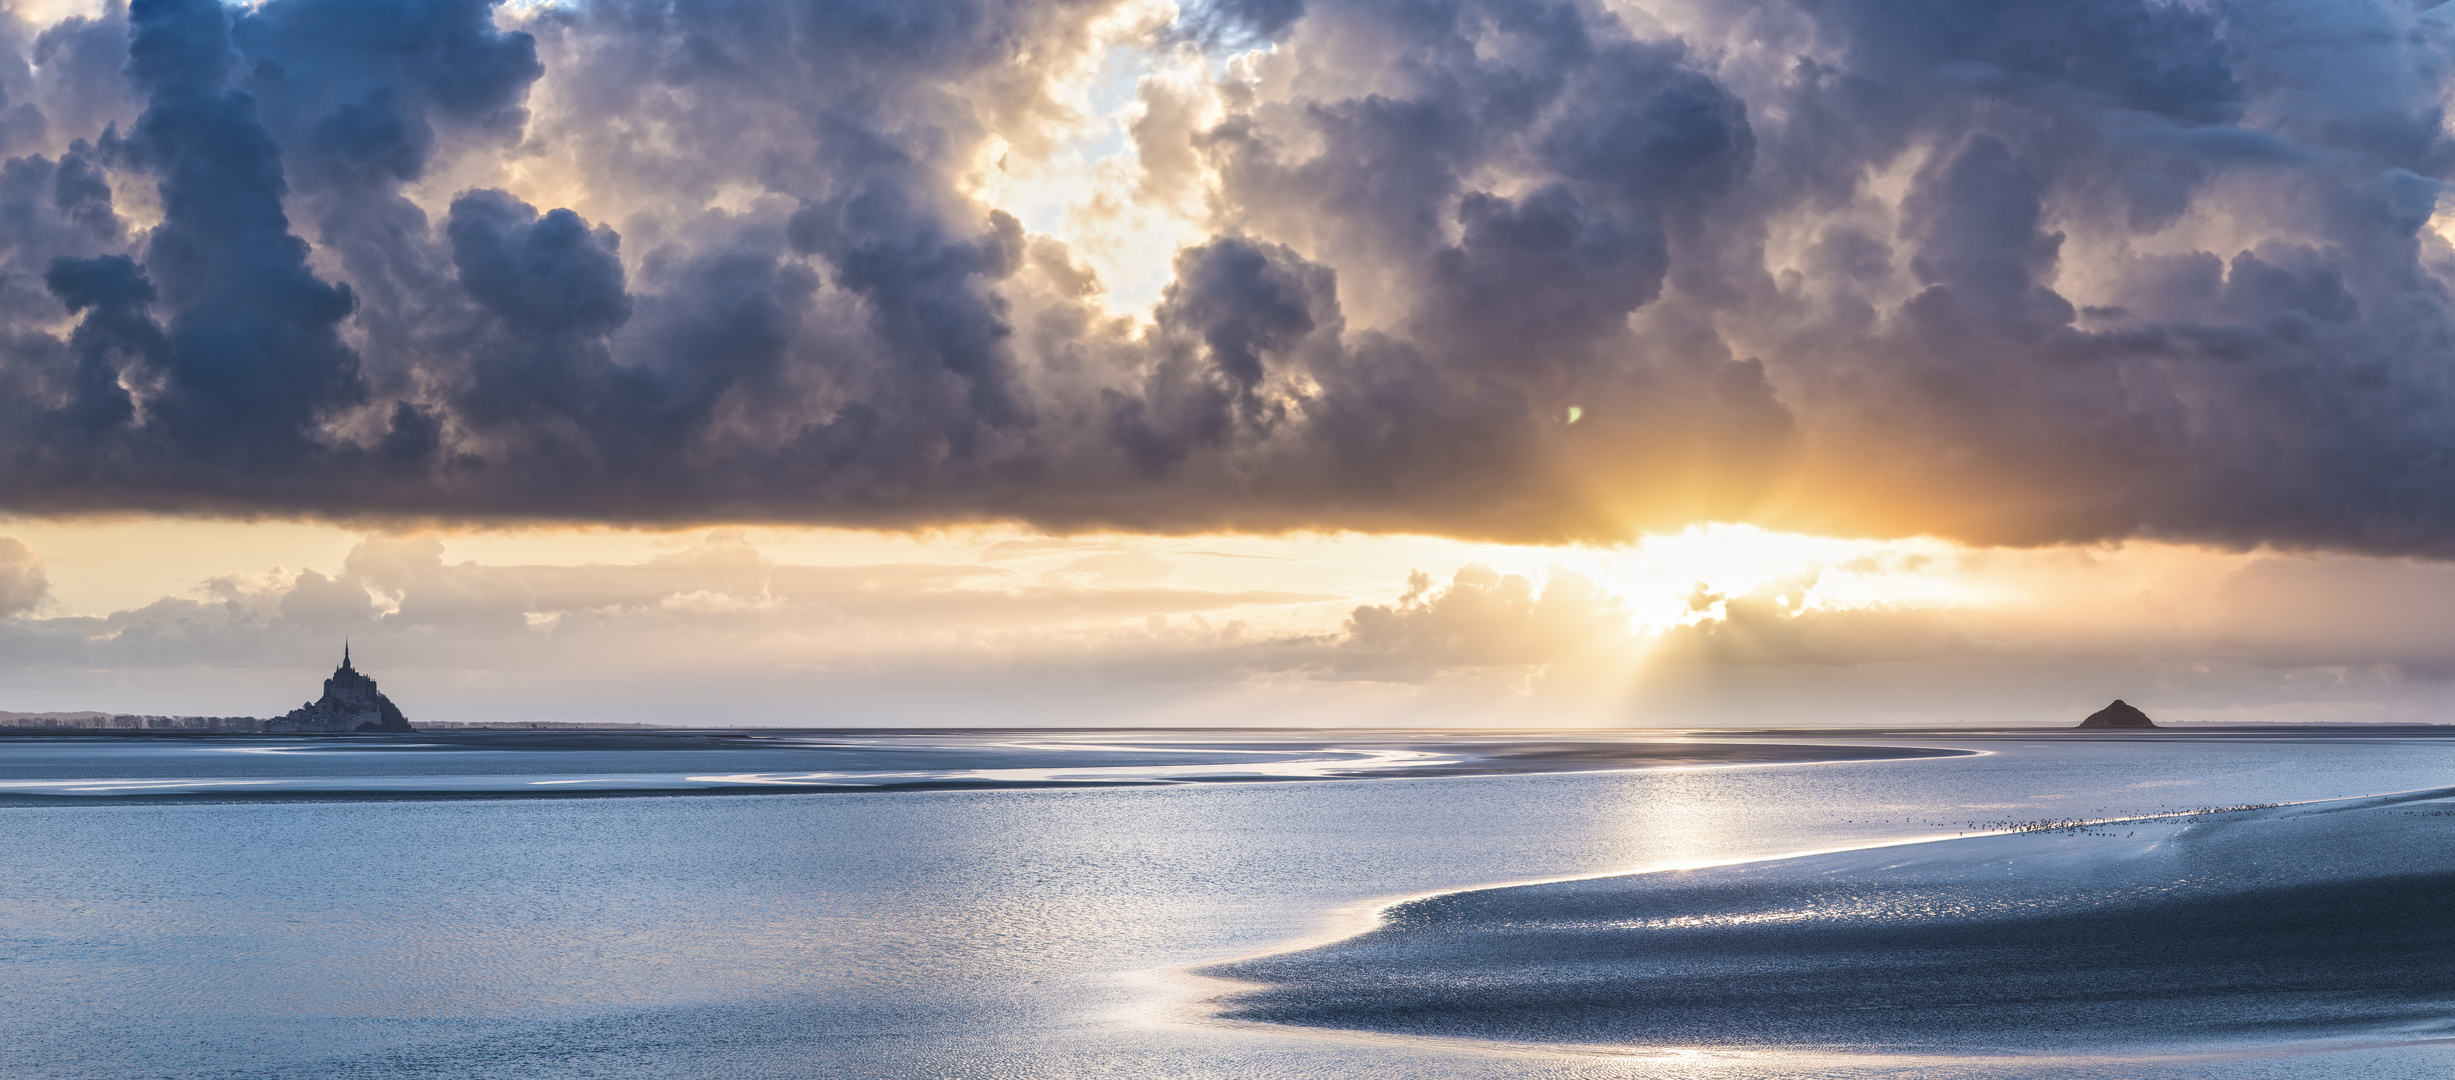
(350,703)
(2118,715)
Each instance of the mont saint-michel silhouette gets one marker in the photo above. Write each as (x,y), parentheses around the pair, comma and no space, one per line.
(350,703)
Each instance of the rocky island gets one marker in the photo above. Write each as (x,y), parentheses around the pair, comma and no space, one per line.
(350,703)
(2120,716)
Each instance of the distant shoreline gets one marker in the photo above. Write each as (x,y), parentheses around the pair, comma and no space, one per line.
(94,723)
(124,724)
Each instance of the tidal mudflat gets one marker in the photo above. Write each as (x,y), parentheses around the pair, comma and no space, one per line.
(1051,920)
(2181,933)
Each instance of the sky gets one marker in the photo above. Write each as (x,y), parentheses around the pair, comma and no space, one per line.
(956,362)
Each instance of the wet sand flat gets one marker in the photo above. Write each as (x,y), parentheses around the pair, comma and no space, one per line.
(2199,931)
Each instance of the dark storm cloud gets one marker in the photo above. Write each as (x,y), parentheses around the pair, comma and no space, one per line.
(555,289)
(2008,271)
(1548,266)
(2204,396)
(1240,307)
(362,96)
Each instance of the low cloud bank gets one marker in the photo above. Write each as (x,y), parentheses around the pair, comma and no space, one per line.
(1130,630)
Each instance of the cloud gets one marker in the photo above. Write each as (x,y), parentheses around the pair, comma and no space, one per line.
(1483,618)
(721,602)
(2018,272)
(23,585)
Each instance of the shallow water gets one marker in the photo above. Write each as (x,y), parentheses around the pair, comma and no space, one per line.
(230,768)
(996,933)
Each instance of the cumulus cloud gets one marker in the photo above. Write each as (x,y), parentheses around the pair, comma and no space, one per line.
(1483,618)
(23,585)
(2011,271)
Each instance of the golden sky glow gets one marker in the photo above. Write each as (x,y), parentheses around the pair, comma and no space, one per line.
(97,566)
(1217,629)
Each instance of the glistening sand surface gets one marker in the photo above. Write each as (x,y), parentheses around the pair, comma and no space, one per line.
(2168,934)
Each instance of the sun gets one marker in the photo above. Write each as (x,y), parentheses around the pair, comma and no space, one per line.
(1672,579)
